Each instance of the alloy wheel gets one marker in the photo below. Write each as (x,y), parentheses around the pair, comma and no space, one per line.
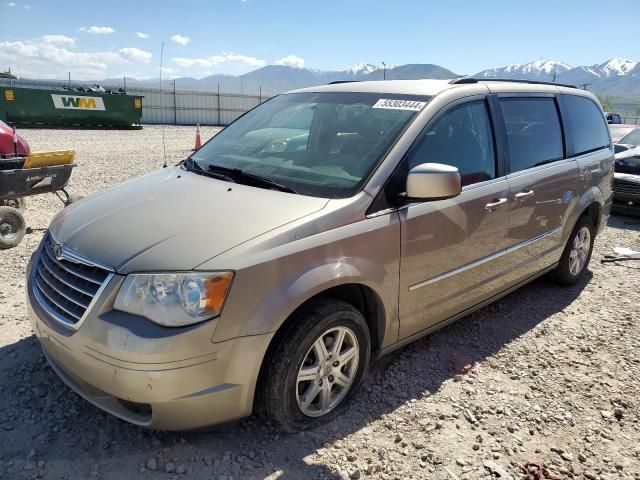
(579,251)
(327,372)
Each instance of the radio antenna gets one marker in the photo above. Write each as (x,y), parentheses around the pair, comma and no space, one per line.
(164,145)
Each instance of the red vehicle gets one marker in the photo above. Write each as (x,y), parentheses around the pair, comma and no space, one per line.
(12,143)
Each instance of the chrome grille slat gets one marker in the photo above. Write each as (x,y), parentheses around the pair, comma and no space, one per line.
(60,278)
(49,296)
(66,285)
(73,269)
(59,291)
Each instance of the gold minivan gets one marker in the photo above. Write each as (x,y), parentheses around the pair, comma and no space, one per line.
(326,227)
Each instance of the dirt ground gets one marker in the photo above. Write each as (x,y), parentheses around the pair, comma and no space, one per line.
(546,376)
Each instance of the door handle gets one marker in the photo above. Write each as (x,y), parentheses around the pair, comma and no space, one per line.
(495,204)
(524,194)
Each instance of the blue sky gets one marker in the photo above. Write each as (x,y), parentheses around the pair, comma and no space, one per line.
(112,38)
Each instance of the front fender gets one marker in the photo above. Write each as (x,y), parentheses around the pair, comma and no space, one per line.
(265,294)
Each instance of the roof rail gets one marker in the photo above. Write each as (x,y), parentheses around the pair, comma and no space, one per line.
(336,82)
(467,80)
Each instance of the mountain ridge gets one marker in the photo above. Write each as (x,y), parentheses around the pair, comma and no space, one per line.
(617,77)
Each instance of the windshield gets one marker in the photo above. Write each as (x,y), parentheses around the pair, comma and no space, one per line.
(631,138)
(618,132)
(317,144)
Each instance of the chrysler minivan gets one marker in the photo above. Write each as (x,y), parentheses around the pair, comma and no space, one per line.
(322,229)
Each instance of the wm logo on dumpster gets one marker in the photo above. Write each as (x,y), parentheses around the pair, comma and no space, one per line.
(77,103)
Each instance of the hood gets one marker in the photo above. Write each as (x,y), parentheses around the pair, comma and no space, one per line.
(173,220)
(628,161)
(7,146)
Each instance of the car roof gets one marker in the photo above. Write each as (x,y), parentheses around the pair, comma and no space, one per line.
(409,87)
(432,87)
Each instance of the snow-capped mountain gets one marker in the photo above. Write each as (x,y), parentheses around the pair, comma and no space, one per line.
(360,68)
(618,76)
(616,66)
(532,70)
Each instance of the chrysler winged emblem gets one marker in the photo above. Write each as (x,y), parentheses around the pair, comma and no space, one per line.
(57,249)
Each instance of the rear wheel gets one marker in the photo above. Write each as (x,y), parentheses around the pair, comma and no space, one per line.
(12,227)
(577,253)
(317,364)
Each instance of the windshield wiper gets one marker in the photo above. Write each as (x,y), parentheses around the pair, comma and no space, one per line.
(260,181)
(195,167)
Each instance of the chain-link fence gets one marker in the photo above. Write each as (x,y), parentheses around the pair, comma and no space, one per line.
(188,107)
(630,120)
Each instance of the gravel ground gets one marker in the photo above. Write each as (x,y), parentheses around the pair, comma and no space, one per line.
(545,376)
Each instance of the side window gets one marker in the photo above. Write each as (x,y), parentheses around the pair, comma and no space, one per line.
(586,123)
(463,138)
(534,135)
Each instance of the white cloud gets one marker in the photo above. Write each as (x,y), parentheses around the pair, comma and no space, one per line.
(291,61)
(11,4)
(135,54)
(27,7)
(180,40)
(142,35)
(222,59)
(52,56)
(58,40)
(95,29)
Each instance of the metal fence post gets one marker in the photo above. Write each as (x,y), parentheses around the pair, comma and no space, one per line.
(219,115)
(175,106)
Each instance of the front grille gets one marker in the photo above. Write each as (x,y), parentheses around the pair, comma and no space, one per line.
(64,287)
(626,187)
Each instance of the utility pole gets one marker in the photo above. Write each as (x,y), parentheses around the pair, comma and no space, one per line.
(384,71)
(555,75)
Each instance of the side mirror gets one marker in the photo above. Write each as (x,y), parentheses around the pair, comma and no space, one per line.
(433,181)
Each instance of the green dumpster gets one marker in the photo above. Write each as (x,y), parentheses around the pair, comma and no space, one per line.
(66,107)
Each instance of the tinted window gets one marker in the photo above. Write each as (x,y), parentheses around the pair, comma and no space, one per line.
(632,138)
(588,128)
(462,137)
(534,135)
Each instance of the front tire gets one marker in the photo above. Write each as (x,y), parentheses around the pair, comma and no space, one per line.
(577,254)
(318,362)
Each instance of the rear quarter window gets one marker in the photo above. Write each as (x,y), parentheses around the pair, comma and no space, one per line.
(587,126)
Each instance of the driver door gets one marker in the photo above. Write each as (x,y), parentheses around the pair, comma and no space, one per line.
(448,246)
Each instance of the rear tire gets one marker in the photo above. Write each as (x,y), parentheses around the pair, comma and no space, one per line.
(12,227)
(577,253)
(302,384)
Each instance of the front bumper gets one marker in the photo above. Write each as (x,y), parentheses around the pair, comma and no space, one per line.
(157,377)
(626,194)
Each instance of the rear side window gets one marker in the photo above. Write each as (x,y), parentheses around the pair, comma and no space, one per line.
(588,128)
(463,138)
(534,135)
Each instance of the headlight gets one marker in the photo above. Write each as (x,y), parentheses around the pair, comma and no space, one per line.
(174,299)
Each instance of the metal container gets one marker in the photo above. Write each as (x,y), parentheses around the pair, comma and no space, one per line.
(66,107)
